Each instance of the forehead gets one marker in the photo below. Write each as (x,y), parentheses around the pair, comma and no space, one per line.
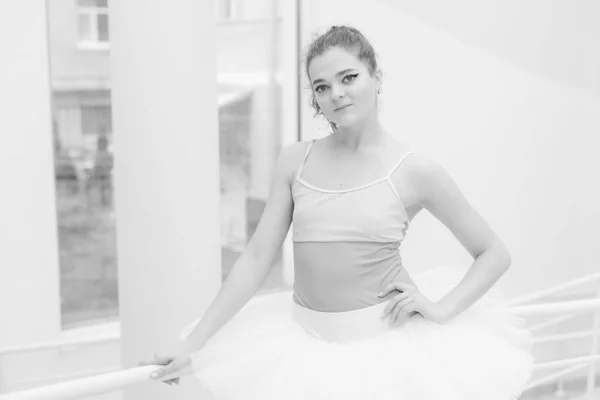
(333,60)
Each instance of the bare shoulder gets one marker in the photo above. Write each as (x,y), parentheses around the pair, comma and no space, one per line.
(289,160)
(428,179)
(422,166)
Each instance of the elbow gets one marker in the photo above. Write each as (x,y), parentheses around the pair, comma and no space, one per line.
(507,262)
(498,256)
(504,258)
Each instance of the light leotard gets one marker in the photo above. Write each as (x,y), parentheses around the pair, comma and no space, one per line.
(346,242)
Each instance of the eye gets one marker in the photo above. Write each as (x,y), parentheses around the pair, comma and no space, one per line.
(320,88)
(352,76)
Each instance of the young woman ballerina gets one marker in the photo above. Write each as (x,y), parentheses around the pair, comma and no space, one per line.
(356,325)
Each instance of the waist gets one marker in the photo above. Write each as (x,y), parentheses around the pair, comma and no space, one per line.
(344,326)
(342,276)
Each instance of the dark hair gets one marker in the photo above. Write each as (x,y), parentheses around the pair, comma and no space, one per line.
(345,37)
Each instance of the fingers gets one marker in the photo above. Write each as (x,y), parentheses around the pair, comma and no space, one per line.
(401,311)
(393,302)
(171,364)
(400,286)
(162,359)
(159,359)
(159,373)
(174,366)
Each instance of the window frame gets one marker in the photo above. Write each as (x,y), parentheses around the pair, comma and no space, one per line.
(234,11)
(92,13)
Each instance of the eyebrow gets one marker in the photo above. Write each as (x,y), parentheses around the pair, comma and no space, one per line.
(338,74)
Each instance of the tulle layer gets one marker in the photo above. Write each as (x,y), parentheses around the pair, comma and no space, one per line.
(275,349)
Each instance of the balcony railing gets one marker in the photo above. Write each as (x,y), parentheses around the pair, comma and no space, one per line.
(565,311)
(562,311)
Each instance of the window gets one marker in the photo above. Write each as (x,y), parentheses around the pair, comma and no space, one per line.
(96,120)
(249,125)
(92,23)
(249,144)
(227,10)
(84,159)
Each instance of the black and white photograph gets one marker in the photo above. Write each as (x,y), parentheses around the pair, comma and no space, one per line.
(300,200)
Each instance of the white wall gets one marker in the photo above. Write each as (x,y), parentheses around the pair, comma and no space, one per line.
(254,9)
(502,104)
(245,48)
(29,285)
(29,291)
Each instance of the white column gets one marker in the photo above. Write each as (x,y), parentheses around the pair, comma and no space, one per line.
(290,118)
(311,127)
(163,78)
(265,135)
(29,269)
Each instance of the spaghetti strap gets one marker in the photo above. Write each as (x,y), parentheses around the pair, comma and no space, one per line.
(388,178)
(389,175)
(308,148)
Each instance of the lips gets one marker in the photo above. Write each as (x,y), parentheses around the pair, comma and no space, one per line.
(341,108)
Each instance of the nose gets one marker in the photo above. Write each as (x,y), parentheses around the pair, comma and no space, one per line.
(337,91)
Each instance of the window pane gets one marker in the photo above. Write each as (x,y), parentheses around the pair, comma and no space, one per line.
(103,27)
(249,145)
(83,157)
(225,11)
(84,26)
(95,120)
(93,3)
(249,133)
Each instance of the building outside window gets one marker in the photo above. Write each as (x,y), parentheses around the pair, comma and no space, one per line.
(227,10)
(92,23)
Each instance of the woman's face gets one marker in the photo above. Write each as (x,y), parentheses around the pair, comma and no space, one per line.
(343,87)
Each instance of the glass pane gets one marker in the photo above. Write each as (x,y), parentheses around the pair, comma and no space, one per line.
(93,3)
(96,120)
(84,28)
(83,158)
(225,9)
(249,133)
(102,27)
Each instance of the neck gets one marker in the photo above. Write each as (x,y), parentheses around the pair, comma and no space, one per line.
(359,135)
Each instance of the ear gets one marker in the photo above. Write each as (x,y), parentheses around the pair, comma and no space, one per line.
(378,76)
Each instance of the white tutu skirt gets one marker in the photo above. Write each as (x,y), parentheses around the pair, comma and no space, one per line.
(275,349)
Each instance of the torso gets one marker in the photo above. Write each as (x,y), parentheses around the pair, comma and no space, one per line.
(351,212)
(329,169)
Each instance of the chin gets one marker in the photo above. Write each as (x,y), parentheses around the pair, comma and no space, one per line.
(348,121)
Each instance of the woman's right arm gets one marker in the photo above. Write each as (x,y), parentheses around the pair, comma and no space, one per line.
(252,267)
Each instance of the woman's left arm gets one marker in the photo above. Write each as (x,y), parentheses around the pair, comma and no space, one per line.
(439,194)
